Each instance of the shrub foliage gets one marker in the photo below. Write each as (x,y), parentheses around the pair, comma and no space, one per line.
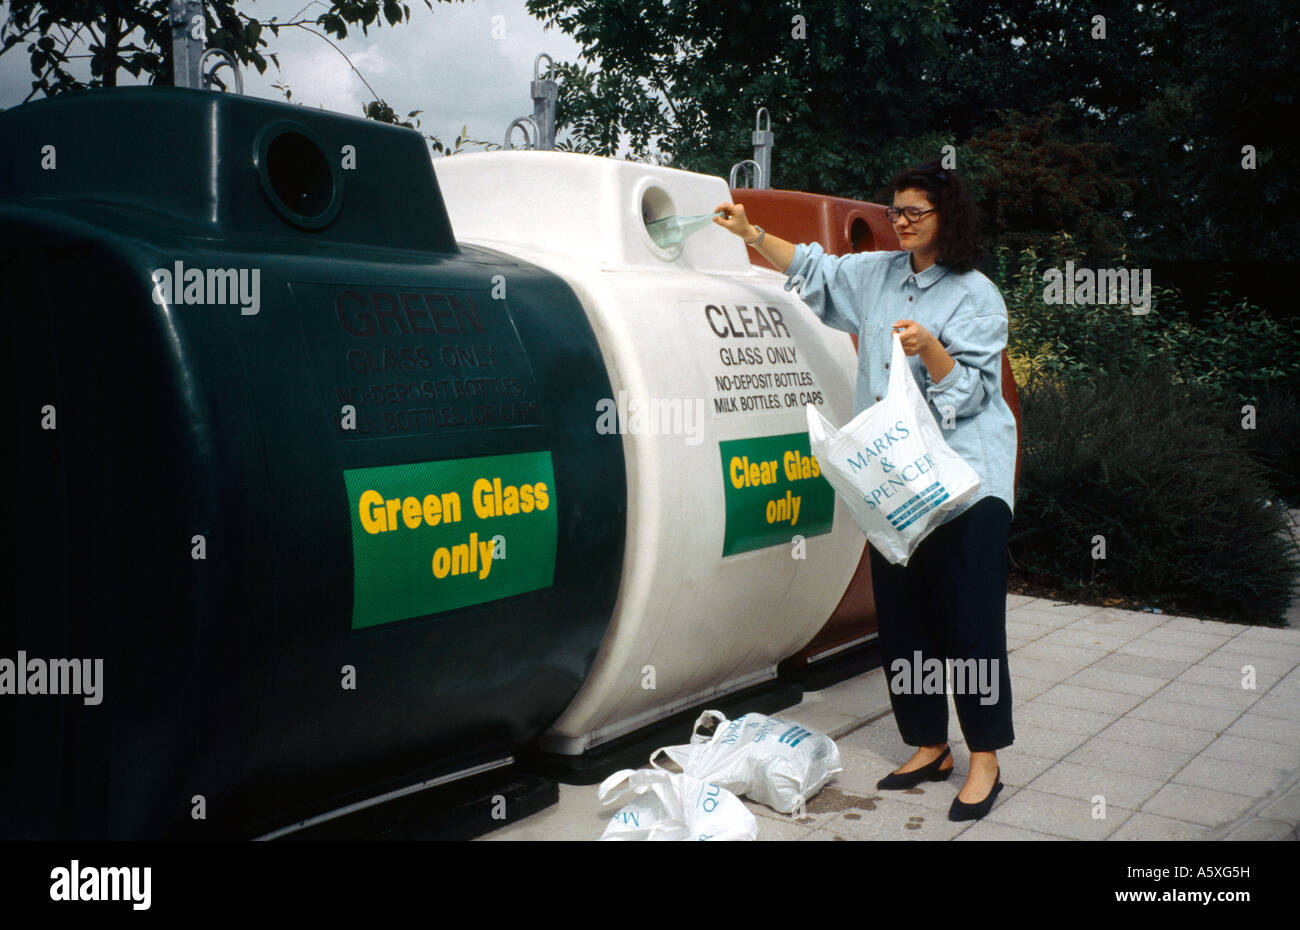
(1141,470)
(1166,442)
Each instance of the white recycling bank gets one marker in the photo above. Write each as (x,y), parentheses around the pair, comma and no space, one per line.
(736,553)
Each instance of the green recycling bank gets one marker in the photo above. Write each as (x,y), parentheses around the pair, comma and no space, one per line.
(318,486)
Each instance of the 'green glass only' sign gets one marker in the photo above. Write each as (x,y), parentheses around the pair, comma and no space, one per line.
(433,536)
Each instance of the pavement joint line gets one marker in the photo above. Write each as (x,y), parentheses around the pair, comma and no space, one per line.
(854,726)
(1125,643)
(1224,830)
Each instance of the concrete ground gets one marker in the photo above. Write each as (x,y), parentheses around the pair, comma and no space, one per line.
(1146,711)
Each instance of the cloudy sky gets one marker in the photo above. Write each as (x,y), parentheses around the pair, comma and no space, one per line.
(445,62)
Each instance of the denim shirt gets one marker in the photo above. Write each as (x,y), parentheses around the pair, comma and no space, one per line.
(866,292)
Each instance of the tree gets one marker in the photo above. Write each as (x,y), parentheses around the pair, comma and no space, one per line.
(1032,177)
(1186,138)
(1126,119)
(381,112)
(1031,54)
(135,36)
(683,80)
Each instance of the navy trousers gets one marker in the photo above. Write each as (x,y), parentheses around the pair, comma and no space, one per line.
(949,602)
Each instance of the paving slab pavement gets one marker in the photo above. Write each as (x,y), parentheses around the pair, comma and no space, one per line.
(1129,726)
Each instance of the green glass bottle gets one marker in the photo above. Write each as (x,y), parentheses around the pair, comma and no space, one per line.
(671,230)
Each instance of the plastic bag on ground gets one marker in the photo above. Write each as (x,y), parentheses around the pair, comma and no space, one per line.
(673,806)
(767,759)
(892,466)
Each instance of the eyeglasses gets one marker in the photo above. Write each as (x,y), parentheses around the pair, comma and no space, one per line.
(913,213)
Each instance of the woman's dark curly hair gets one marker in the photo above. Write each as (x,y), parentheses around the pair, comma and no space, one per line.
(959,225)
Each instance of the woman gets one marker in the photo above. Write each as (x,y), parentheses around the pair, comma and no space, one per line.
(950,599)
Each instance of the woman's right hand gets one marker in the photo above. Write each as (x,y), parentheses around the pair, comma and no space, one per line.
(733,220)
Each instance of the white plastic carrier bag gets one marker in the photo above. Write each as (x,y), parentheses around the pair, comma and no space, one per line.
(673,806)
(892,466)
(769,760)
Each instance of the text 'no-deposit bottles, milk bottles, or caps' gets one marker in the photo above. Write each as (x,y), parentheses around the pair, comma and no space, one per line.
(671,230)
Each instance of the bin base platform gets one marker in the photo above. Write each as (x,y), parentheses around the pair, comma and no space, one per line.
(633,751)
(817,676)
(461,810)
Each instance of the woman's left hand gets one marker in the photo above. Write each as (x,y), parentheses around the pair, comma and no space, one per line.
(914,337)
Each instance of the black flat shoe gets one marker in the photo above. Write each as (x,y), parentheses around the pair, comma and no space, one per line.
(896,781)
(962,811)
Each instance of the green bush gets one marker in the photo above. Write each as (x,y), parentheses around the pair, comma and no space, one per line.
(1147,464)
(1238,356)
(1273,437)
(1238,349)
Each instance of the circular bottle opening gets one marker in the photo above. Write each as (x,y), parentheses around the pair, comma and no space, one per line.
(299,180)
(655,205)
(860,235)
